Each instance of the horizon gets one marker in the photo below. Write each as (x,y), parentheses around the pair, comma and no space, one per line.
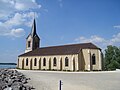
(58,22)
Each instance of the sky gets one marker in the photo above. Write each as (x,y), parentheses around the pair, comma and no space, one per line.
(59,22)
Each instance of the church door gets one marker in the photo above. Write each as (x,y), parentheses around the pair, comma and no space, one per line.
(74,64)
(61,64)
(31,64)
(23,64)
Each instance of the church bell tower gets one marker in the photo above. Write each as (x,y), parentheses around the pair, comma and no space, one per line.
(33,40)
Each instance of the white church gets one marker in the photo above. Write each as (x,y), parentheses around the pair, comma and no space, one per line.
(73,57)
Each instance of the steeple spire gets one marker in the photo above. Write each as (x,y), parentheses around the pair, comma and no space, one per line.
(33,32)
(32,41)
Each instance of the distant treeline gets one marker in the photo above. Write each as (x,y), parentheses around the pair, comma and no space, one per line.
(8,64)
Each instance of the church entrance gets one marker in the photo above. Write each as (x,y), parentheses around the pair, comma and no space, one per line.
(73,64)
(23,64)
(61,64)
(31,64)
(40,64)
(50,64)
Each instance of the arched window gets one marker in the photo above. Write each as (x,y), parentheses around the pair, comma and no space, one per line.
(23,64)
(35,62)
(93,59)
(66,61)
(54,61)
(44,62)
(27,62)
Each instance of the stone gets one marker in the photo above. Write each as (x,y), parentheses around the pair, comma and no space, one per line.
(13,80)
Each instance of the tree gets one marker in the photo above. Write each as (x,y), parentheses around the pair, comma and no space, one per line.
(112,58)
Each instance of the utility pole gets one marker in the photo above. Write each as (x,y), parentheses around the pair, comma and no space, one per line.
(60,85)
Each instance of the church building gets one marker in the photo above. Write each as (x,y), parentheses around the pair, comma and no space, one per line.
(73,57)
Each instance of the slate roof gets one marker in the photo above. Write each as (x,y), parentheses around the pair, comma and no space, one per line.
(60,50)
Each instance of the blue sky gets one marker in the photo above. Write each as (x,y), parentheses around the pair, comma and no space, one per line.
(58,22)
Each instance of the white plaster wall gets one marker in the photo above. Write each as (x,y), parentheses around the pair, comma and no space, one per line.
(57,67)
(86,58)
(100,60)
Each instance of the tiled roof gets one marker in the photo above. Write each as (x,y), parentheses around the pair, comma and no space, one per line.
(60,50)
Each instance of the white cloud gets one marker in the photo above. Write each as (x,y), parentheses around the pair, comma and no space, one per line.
(9,7)
(15,32)
(20,6)
(19,19)
(26,4)
(115,39)
(101,42)
(117,26)
(34,1)
(93,38)
(16,14)
(14,21)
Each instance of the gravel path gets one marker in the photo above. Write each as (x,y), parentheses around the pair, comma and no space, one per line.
(48,80)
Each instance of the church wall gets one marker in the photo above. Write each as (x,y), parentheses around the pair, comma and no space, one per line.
(87,57)
(77,62)
(81,61)
(20,63)
(100,60)
(49,62)
(98,54)
(33,62)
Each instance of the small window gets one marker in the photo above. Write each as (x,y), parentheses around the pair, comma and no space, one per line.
(35,62)
(29,42)
(44,62)
(93,59)
(66,61)
(27,62)
(54,61)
